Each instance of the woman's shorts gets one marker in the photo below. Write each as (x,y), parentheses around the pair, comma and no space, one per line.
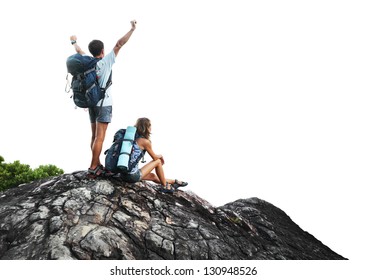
(131,177)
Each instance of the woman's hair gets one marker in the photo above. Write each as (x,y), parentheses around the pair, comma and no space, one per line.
(143,127)
(95,47)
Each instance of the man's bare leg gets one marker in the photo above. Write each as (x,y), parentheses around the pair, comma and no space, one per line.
(93,127)
(97,143)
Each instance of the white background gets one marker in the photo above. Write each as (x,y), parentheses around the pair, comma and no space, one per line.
(247,98)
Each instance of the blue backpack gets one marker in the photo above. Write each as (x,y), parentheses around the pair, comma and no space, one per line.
(85,86)
(124,154)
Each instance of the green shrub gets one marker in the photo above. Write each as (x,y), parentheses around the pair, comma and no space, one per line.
(16,173)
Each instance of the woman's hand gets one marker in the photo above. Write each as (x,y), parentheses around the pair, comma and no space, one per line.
(161,158)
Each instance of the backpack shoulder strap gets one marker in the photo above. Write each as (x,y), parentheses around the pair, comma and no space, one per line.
(109,82)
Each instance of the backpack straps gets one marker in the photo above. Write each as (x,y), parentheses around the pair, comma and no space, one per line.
(109,82)
(142,156)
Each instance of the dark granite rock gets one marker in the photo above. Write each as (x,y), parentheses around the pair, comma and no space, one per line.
(72,217)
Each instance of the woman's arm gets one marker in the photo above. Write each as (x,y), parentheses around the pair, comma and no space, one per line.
(147,145)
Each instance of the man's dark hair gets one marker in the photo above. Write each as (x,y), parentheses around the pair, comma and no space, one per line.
(95,47)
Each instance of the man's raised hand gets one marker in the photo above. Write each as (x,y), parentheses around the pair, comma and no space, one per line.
(133,24)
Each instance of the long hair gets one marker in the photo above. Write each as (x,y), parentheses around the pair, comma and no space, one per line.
(143,127)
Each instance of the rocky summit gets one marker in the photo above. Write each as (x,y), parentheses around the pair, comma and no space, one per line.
(73,217)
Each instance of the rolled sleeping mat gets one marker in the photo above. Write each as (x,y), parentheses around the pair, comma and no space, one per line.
(127,144)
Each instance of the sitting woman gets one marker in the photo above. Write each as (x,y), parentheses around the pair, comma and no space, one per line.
(143,130)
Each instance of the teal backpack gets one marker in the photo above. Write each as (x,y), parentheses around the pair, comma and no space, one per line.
(124,154)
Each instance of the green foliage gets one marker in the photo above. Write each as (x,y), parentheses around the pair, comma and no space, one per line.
(16,173)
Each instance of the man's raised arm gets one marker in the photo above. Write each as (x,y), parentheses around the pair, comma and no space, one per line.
(123,40)
(76,46)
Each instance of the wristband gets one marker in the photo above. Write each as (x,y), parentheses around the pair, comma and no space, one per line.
(73,42)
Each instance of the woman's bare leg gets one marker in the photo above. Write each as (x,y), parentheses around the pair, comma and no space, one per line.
(157,165)
(152,177)
(159,177)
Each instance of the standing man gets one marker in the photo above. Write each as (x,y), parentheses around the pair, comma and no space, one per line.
(100,116)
